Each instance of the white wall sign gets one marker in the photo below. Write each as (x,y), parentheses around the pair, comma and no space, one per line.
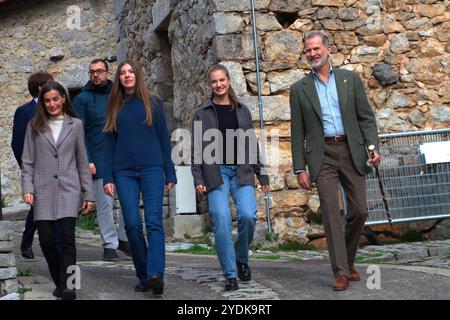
(436,152)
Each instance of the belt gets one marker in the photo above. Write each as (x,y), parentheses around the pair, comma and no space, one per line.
(336,138)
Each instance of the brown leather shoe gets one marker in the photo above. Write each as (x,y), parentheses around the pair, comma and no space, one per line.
(340,283)
(354,275)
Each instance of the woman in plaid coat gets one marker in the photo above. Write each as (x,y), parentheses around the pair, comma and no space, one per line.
(55,177)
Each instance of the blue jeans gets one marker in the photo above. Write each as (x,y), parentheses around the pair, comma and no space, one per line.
(219,210)
(148,260)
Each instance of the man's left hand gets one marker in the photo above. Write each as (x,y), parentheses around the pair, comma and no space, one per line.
(376,159)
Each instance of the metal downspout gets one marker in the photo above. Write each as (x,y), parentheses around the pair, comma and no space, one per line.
(261,116)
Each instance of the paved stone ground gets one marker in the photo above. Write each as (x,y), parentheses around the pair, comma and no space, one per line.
(407,271)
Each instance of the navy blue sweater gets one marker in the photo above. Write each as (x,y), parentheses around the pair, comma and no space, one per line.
(22,116)
(137,145)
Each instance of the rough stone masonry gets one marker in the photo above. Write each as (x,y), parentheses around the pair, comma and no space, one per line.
(401,49)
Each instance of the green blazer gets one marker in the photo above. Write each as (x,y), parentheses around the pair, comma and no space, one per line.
(307,142)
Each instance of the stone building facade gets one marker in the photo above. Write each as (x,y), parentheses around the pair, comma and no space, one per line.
(60,37)
(400,48)
(8,270)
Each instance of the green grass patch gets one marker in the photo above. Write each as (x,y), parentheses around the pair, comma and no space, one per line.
(86,223)
(28,272)
(196,249)
(369,261)
(370,258)
(411,236)
(23,290)
(4,204)
(268,257)
(293,245)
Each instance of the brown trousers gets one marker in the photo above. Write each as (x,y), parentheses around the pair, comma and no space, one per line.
(342,241)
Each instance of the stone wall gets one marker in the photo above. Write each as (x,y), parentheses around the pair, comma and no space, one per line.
(8,271)
(46,36)
(401,49)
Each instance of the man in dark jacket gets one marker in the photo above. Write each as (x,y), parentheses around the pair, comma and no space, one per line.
(332,124)
(22,116)
(91,105)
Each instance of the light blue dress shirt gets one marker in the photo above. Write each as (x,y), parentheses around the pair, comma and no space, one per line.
(329,103)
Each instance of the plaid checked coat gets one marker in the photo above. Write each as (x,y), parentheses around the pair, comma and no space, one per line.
(57,173)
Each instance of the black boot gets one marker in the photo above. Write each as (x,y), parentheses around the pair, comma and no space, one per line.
(243,270)
(156,284)
(231,284)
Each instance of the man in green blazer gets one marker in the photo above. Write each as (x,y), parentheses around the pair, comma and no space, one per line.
(332,123)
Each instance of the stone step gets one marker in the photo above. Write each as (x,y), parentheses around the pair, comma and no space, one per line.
(14,213)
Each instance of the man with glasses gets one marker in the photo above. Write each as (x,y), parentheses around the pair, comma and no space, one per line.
(90,106)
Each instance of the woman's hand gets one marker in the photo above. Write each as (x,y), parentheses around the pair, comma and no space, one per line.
(28,198)
(170,185)
(87,207)
(265,188)
(109,189)
(201,188)
(92,168)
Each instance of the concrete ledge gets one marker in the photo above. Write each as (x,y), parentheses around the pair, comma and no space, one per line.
(40,292)
(188,225)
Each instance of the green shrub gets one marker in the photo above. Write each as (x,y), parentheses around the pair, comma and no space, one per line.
(196,249)
(294,245)
(28,272)
(411,236)
(4,204)
(86,222)
(268,257)
(23,290)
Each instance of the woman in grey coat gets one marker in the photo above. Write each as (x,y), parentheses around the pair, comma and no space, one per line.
(55,178)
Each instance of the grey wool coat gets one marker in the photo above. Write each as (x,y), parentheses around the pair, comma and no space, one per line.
(57,174)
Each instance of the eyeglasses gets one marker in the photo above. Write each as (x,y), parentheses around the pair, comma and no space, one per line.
(99,71)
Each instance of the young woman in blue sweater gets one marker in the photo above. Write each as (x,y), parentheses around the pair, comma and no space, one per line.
(138,162)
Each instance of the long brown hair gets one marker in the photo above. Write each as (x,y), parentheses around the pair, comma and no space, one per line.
(231,94)
(40,121)
(116,99)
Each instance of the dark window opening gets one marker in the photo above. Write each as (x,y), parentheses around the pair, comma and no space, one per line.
(286,18)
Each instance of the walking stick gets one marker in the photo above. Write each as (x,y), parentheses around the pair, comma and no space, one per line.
(371,149)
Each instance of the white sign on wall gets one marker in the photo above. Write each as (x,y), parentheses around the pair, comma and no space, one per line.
(436,152)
